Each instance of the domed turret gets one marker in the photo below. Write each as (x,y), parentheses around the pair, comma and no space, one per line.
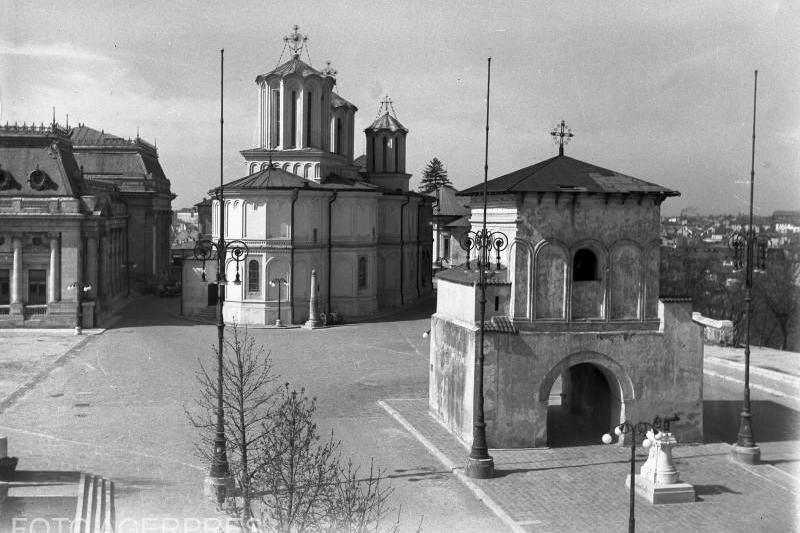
(386,149)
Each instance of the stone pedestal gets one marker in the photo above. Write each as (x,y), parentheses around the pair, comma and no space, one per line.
(658,479)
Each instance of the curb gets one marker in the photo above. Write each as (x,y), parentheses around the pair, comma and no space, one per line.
(456,470)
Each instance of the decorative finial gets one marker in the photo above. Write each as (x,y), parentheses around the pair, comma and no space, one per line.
(137,132)
(329,71)
(561,135)
(386,105)
(295,41)
(54,115)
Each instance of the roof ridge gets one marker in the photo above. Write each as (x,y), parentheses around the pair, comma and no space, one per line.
(544,164)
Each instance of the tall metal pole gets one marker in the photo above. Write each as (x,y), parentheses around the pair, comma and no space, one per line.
(480,464)
(220,473)
(631,513)
(746,450)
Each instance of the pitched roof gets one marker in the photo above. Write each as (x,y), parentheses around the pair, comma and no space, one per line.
(565,174)
(449,205)
(103,155)
(276,178)
(386,122)
(293,66)
(338,101)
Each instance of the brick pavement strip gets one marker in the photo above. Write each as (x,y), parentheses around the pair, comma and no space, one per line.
(582,488)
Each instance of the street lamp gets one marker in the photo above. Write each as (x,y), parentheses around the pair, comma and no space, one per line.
(278,282)
(479,463)
(219,480)
(81,288)
(746,450)
(634,430)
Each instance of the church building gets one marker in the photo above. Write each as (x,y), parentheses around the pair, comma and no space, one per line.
(577,339)
(306,204)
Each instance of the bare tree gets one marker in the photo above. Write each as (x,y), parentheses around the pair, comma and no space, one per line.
(248,398)
(776,295)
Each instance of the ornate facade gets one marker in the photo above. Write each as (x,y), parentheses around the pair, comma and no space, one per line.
(306,205)
(60,229)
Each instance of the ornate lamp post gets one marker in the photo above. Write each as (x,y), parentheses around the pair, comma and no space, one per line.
(278,282)
(746,450)
(634,430)
(480,464)
(81,288)
(219,480)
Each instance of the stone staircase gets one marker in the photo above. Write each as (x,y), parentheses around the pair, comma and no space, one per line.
(207,314)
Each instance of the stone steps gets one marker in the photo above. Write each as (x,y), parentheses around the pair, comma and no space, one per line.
(94,512)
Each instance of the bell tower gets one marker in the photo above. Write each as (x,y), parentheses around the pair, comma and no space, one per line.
(386,149)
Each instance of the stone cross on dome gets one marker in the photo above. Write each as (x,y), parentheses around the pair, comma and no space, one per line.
(561,135)
(295,41)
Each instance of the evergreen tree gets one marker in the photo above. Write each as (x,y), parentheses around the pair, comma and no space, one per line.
(433,177)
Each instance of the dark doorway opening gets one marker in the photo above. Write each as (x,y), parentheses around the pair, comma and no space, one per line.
(580,407)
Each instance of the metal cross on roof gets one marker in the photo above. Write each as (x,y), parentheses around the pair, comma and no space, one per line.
(386,104)
(329,71)
(295,41)
(561,135)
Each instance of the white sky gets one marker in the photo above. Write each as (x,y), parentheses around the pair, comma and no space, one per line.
(662,91)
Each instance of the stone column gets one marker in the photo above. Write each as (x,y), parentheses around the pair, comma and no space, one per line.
(16,270)
(313,319)
(54,283)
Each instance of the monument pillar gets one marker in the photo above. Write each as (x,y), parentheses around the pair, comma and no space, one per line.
(313,318)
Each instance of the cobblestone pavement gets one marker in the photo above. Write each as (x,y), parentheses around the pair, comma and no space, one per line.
(582,489)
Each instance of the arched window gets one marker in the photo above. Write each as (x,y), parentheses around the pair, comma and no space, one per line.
(275,112)
(362,272)
(309,96)
(293,139)
(253,167)
(584,266)
(253,279)
(338,145)
(384,153)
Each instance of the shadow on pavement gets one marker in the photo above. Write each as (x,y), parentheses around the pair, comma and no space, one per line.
(771,421)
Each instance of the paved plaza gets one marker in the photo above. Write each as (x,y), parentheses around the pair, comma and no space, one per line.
(112,404)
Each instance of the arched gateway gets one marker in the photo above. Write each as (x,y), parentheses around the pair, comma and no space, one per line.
(583,395)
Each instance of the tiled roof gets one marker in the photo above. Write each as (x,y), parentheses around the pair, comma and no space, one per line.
(449,204)
(277,178)
(361,162)
(564,174)
(338,101)
(387,122)
(293,66)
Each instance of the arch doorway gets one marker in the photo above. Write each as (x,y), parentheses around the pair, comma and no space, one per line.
(584,403)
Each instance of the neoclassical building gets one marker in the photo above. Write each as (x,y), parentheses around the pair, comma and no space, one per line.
(60,228)
(577,337)
(307,205)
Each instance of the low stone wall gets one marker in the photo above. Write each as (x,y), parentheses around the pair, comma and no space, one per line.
(715,331)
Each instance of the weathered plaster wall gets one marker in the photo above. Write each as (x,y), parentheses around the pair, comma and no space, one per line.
(654,372)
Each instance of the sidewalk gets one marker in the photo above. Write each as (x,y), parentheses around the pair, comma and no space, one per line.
(582,489)
(772,371)
(769,359)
